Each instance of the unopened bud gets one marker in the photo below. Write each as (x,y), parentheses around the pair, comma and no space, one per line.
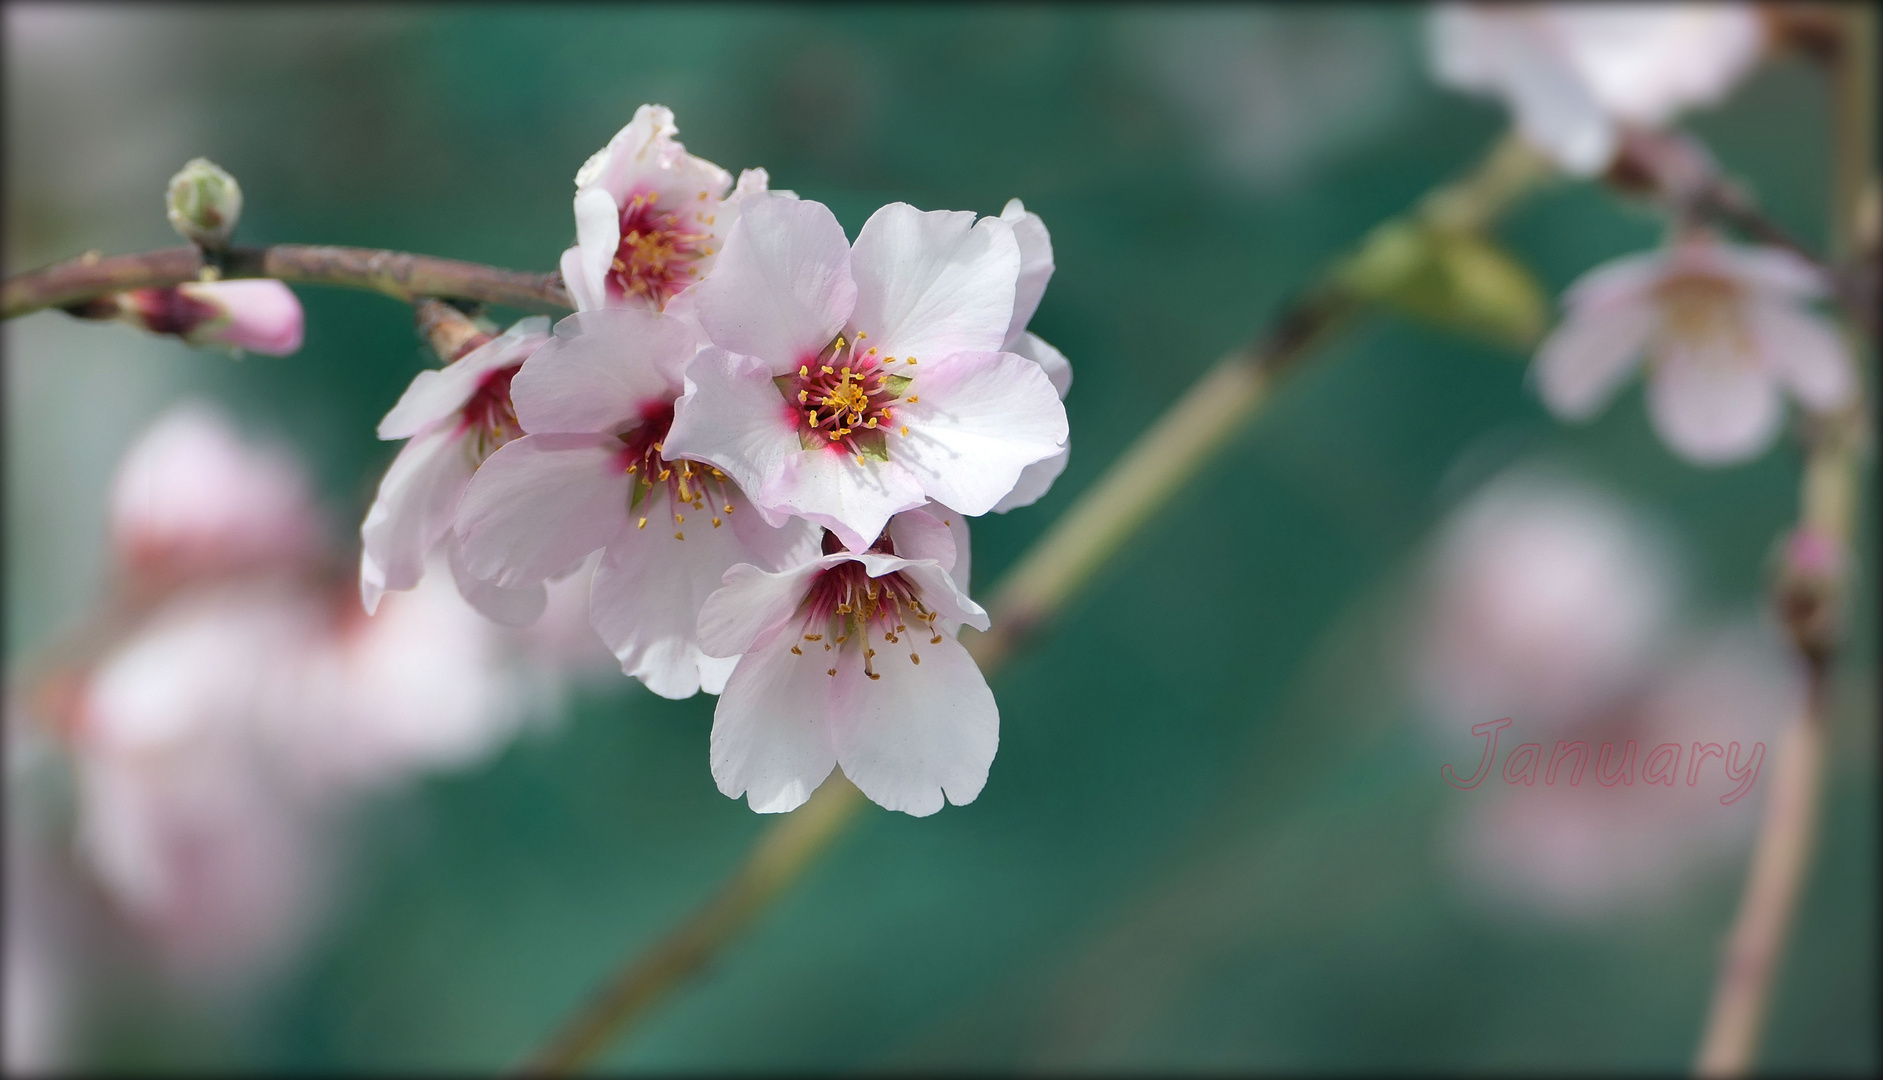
(1456,279)
(249,315)
(204,203)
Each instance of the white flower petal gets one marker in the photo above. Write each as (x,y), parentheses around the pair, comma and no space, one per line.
(1646,62)
(980,419)
(586,293)
(733,417)
(916,733)
(854,501)
(920,534)
(1058,369)
(416,503)
(1580,365)
(541,503)
(932,284)
(604,371)
(781,288)
(520,606)
(752,604)
(1774,271)
(650,588)
(1630,279)
(1035,481)
(771,737)
(1805,353)
(434,396)
(1712,409)
(597,237)
(1036,268)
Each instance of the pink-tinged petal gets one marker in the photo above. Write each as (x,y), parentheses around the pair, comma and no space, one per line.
(435,396)
(520,606)
(651,586)
(919,731)
(1581,364)
(854,501)
(920,534)
(964,548)
(585,293)
(1646,62)
(781,287)
(417,501)
(1712,409)
(597,236)
(644,156)
(942,592)
(980,419)
(733,417)
(754,182)
(604,372)
(1058,369)
(771,731)
(752,604)
(1774,271)
(1805,353)
(541,503)
(1630,279)
(933,284)
(1035,481)
(1036,268)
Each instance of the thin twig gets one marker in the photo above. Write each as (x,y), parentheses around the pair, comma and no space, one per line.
(1811,606)
(1155,469)
(401,275)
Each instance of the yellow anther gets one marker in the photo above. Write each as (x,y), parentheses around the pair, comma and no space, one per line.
(871,422)
(873,675)
(679,536)
(803,371)
(803,396)
(679,519)
(936,640)
(813,637)
(832,671)
(642,524)
(797,651)
(702,196)
(728,508)
(915,658)
(665,473)
(827,368)
(872,351)
(913,399)
(905,430)
(716,523)
(910,360)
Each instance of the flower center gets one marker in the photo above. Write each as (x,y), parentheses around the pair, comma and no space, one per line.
(1702,309)
(844,606)
(490,416)
(687,484)
(657,254)
(843,399)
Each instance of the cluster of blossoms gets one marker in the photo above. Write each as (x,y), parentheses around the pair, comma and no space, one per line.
(765,440)
(1726,329)
(220,737)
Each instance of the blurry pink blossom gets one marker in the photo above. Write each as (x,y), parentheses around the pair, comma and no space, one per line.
(1725,330)
(190,497)
(1590,850)
(1575,75)
(1544,599)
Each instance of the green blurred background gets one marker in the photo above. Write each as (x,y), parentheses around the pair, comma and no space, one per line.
(1212,837)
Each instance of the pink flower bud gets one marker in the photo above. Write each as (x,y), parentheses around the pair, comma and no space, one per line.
(1812,555)
(261,315)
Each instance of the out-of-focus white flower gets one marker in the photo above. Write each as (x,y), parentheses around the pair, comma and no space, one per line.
(1574,75)
(596,470)
(1036,269)
(649,217)
(1544,599)
(258,316)
(1591,850)
(848,384)
(908,723)
(1724,328)
(453,419)
(191,497)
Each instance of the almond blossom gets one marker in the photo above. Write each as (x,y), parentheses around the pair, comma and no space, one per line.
(1725,330)
(597,470)
(1576,75)
(847,384)
(649,217)
(849,659)
(453,418)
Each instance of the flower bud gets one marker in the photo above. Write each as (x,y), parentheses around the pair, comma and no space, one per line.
(256,315)
(204,203)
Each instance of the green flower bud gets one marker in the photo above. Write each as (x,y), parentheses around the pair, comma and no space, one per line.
(204,203)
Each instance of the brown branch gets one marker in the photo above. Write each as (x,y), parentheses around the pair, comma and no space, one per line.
(398,274)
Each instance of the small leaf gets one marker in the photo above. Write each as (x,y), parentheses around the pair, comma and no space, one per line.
(897,383)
